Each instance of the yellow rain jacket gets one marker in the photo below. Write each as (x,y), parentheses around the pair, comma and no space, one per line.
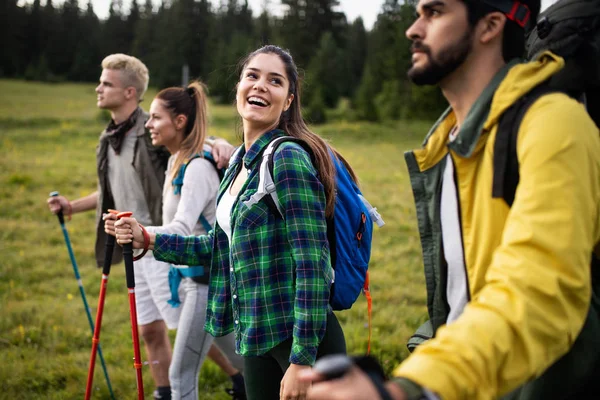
(528,266)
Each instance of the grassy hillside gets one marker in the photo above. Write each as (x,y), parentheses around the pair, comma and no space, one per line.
(48,135)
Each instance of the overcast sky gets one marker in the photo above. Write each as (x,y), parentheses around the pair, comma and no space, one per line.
(367,9)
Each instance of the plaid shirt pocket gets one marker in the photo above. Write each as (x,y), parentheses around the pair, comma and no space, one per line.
(253,216)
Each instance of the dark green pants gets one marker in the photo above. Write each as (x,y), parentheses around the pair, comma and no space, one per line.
(263,374)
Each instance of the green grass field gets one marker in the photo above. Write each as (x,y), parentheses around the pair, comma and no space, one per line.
(48,136)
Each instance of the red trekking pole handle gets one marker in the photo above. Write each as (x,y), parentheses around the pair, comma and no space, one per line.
(128,258)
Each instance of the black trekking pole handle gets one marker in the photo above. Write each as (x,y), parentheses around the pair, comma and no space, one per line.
(108,249)
(128,255)
(335,366)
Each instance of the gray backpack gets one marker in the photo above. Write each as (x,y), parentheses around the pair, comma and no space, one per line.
(571,29)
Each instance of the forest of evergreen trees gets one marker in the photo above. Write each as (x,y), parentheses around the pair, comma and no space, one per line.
(340,58)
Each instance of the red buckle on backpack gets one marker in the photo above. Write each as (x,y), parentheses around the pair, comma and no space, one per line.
(517,8)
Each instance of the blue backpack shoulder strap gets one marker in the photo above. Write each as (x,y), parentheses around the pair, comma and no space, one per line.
(178,181)
(207,155)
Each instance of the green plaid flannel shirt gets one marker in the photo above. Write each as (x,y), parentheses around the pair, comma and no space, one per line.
(274,281)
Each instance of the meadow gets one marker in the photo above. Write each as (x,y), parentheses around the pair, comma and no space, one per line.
(48,136)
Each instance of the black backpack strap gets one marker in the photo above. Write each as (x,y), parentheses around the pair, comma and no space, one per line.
(506,163)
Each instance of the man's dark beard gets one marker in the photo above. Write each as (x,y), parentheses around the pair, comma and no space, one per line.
(446,62)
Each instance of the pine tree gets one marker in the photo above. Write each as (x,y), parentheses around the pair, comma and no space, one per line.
(303,24)
(132,21)
(114,32)
(263,28)
(88,56)
(355,54)
(325,70)
(12,23)
(364,100)
(143,45)
(33,35)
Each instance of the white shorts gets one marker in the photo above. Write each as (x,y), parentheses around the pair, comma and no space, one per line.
(152,292)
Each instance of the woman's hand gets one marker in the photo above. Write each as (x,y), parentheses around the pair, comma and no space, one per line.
(127,230)
(292,388)
(109,223)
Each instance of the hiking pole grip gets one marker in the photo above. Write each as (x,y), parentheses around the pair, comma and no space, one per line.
(59,214)
(128,255)
(333,366)
(108,249)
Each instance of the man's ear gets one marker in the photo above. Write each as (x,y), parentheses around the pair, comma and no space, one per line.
(130,92)
(491,27)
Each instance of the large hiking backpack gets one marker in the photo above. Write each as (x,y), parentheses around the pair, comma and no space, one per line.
(570,29)
(197,273)
(349,231)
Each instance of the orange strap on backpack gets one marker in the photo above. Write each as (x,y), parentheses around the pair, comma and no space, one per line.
(367,293)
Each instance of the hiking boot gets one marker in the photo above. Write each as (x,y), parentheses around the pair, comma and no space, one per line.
(235,394)
(156,396)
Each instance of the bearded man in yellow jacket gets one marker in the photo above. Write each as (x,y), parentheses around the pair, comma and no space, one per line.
(509,287)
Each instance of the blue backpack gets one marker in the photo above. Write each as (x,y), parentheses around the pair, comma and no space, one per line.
(349,231)
(197,273)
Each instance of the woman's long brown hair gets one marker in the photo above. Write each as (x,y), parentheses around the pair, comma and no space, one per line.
(293,124)
(192,103)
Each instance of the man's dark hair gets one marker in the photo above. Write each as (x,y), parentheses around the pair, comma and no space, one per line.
(513,39)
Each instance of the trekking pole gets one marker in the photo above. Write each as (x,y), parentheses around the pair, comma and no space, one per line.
(128,257)
(108,252)
(61,220)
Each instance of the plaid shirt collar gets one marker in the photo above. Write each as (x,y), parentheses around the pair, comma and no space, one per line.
(255,151)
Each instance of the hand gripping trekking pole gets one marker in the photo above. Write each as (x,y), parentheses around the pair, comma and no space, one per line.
(108,252)
(128,257)
(61,220)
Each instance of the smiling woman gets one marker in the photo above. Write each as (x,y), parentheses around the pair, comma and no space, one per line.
(262,95)
(270,277)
